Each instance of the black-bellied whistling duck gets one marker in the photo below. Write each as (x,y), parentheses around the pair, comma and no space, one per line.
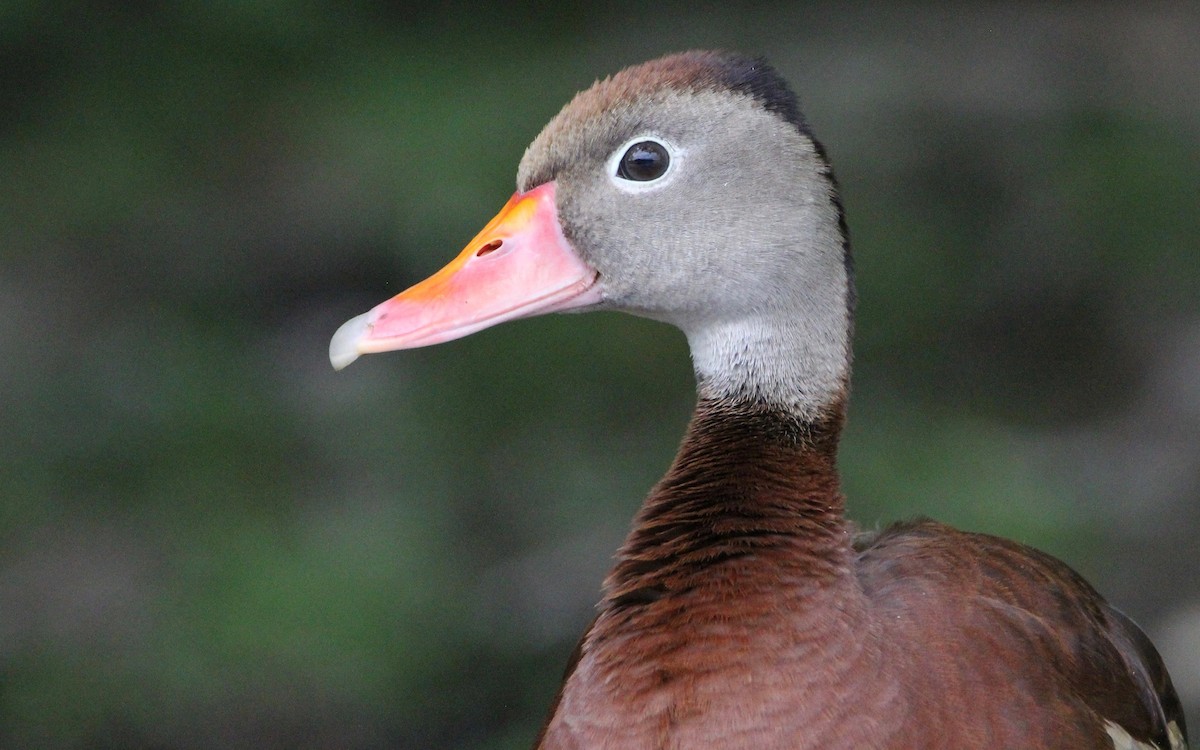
(742,611)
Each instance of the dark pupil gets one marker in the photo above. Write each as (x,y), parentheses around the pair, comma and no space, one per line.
(644,161)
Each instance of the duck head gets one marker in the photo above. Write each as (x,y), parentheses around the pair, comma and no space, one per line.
(689,190)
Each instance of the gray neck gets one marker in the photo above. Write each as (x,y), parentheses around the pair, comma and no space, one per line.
(795,358)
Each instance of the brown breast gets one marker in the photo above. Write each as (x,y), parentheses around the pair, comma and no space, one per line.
(741,615)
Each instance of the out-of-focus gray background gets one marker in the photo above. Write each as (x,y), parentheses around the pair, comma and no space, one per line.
(210,539)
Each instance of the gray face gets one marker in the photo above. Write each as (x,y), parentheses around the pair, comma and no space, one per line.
(738,243)
(741,224)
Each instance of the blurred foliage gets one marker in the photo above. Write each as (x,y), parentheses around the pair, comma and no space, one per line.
(209,539)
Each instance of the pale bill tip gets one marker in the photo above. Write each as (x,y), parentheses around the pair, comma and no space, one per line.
(343,347)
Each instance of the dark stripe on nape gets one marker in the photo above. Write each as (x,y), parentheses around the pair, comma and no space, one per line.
(755,77)
(843,228)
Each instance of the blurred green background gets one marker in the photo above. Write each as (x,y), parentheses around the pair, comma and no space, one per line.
(210,539)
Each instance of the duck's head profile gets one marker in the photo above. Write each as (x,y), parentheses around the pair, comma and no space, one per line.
(688,189)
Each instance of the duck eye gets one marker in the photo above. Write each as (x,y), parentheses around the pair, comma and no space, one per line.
(644,161)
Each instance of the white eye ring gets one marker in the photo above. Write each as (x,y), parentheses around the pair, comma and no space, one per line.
(613,164)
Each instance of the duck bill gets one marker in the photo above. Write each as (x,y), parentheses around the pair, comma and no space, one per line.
(520,265)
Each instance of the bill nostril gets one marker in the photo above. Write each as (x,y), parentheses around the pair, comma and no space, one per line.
(489,248)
